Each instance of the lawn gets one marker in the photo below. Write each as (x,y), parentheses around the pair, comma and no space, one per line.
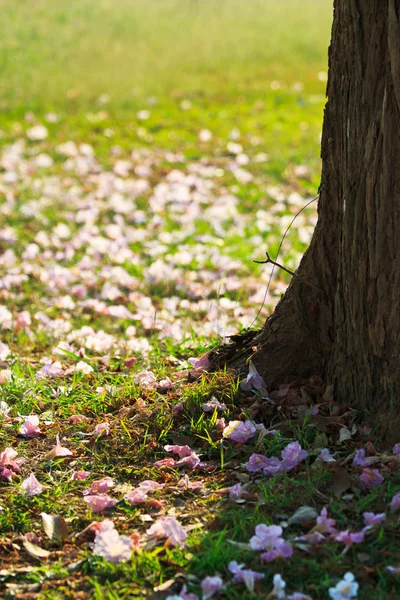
(150,152)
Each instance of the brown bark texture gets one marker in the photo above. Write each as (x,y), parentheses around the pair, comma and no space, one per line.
(346,325)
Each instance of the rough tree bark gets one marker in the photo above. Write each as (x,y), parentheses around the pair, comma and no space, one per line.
(348,330)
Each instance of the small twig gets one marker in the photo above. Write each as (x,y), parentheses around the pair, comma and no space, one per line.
(292,273)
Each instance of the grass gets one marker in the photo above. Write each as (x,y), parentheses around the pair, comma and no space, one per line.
(158,218)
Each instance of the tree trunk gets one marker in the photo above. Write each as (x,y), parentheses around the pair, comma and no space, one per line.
(340,317)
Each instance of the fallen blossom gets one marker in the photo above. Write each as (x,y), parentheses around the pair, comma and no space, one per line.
(58,451)
(281,549)
(359,458)
(83,367)
(31,486)
(186,484)
(239,431)
(314,538)
(100,486)
(8,465)
(80,475)
(168,527)
(100,502)
(136,496)
(371,478)
(394,570)
(371,519)
(78,419)
(265,536)
(256,463)
(200,364)
(236,492)
(30,427)
(112,546)
(345,588)
(396,449)
(5,376)
(292,455)
(101,430)
(253,380)
(210,586)
(278,590)
(324,523)
(212,405)
(348,539)
(325,456)
(190,462)
(37,133)
(165,463)
(395,502)
(246,576)
(269,538)
(146,379)
(298,596)
(181,451)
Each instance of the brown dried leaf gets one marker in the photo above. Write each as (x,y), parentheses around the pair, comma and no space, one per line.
(341,481)
(34,550)
(55,527)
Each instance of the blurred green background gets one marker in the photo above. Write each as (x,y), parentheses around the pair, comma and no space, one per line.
(53,52)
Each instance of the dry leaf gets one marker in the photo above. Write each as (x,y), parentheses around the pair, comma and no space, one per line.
(303,514)
(55,527)
(344,434)
(35,551)
(341,481)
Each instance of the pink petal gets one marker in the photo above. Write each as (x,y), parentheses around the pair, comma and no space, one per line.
(31,486)
(100,502)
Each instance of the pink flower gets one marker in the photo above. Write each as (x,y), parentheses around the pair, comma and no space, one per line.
(239,431)
(257,462)
(281,550)
(181,451)
(348,538)
(371,478)
(292,455)
(314,537)
(325,456)
(78,419)
(136,496)
(190,462)
(273,467)
(80,475)
(253,380)
(324,523)
(395,502)
(58,451)
(101,430)
(190,485)
(112,546)
(359,458)
(394,570)
(269,538)
(212,405)
(396,449)
(146,379)
(100,502)
(371,519)
(30,427)
(100,486)
(165,463)
(151,486)
(8,465)
(246,576)
(210,586)
(31,486)
(200,364)
(265,537)
(236,492)
(168,527)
